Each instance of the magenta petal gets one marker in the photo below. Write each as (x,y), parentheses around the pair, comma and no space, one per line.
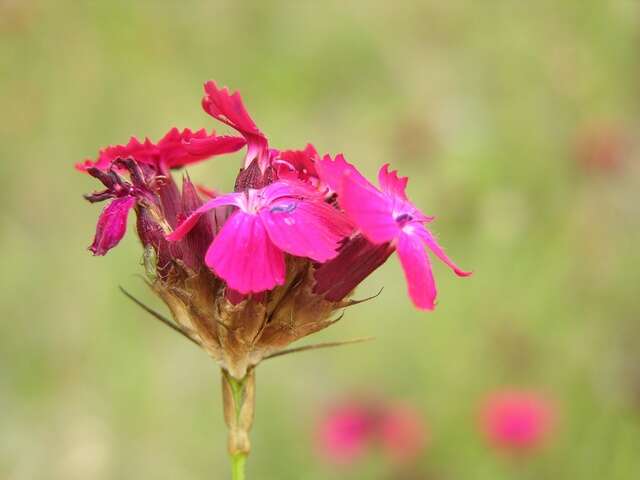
(285,188)
(304,228)
(391,183)
(297,164)
(229,109)
(417,271)
(370,210)
(201,147)
(433,245)
(243,255)
(184,147)
(331,171)
(112,225)
(176,149)
(191,220)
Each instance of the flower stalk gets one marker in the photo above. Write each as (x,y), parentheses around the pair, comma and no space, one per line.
(237,466)
(238,400)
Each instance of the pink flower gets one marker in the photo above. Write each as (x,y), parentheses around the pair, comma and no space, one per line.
(386,216)
(349,430)
(345,432)
(517,421)
(176,149)
(284,217)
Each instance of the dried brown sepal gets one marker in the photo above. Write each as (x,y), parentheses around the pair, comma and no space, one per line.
(239,335)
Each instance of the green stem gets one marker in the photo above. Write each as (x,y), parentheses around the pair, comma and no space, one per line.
(237,466)
(238,400)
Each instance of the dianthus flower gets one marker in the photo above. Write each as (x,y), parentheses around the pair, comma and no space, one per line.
(385,216)
(518,422)
(246,273)
(353,427)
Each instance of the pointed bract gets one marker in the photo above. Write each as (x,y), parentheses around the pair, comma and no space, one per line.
(199,238)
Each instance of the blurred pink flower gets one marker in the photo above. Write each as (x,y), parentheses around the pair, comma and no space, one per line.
(402,433)
(517,421)
(349,430)
(602,146)
(345,432)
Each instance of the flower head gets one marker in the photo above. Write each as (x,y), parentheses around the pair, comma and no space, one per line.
(248,272)
(345,432)
(517,421)
(386,216)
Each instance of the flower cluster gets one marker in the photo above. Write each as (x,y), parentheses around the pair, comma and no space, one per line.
(351,428)
(248,272)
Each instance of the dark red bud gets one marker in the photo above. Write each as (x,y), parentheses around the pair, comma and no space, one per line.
(357,259)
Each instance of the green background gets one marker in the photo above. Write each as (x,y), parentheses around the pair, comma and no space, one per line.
(479,102)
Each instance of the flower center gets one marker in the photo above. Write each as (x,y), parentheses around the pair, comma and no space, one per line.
(284,208)
(403,219)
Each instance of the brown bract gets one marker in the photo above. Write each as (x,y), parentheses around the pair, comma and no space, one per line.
(240,335)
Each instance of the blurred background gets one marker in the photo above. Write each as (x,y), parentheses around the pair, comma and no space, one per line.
(516,122)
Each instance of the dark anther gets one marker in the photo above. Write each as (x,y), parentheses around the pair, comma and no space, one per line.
(286,208)
(137,177)
(98,196)
(404,218)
